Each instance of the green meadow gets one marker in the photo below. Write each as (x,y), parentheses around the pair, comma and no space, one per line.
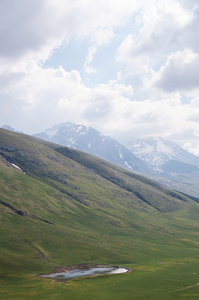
(72,208)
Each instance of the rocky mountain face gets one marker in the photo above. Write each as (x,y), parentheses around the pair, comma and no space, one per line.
(164,156)
(89,140)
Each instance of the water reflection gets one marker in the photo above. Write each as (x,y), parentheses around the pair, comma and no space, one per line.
(85,272)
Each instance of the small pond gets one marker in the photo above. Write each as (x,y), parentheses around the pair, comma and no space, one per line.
(63,276)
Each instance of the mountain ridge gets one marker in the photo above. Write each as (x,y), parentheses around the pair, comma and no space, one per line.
(89,140)
(67,207)
(178,175)
(157,151)
(29,162)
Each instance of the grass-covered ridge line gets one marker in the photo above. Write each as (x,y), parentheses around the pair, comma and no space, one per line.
(87,211)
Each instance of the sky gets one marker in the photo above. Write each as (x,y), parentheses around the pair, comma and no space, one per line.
(129,68)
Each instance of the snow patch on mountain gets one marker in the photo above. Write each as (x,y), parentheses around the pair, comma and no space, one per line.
(157,151)
(18,168)
(88,139)
(127,165)
(8,127)
(120,154)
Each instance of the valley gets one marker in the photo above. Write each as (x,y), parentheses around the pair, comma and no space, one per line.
(64,207)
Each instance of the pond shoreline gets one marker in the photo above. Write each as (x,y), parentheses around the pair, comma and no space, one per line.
(80,266)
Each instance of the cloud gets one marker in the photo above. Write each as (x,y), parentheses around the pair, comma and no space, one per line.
(157,60)
(27,27)
(158,24)
(91,51)
(44,97)
(99,38)
(189,36)
(181,72)
(162,52)
(39,26)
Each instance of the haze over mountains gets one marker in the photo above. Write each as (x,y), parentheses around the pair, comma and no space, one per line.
(149,155)
(156,152)
(89,140)
(156,158)
(8,127)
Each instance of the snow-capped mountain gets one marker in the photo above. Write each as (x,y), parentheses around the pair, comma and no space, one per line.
(89,140)
(155,152)
(8,127)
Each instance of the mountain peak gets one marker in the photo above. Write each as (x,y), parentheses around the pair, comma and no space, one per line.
(8,127)
(155,151)
(89,140)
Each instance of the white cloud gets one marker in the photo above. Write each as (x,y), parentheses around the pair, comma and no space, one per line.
(103,36)
(91,51)
(99,38)
(181,72)
(158,22)
(39,26)
(44,97)
(159,48)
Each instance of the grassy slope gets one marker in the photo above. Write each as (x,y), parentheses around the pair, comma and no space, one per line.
(185,183)
(65,213)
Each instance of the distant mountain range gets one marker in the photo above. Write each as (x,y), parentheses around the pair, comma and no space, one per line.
(170,164)
(156,158)
(163,156)
(89,140)
(8,127)
(152,155)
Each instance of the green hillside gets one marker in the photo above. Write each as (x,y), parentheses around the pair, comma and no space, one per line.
(72,208)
